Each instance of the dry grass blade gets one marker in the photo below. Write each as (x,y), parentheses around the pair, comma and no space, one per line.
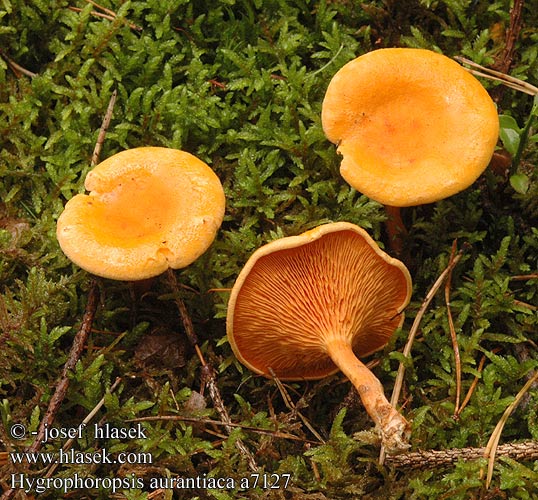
(457,359)
(84,423)
(291,406)
(491,448)
(507,80)
(16,68)
(471,389)
(94,13)
(105,13)
(524,277)
(414,329)
(525,305)
(100,7)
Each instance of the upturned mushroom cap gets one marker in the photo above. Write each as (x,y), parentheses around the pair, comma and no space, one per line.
(412,125)
(298,294)
(148,209)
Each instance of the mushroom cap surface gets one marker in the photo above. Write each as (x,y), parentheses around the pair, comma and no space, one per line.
(412,125)
(148,209)
(297,293)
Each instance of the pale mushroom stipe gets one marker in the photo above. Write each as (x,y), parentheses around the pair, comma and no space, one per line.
(148,209)
(306,306)
(412,126)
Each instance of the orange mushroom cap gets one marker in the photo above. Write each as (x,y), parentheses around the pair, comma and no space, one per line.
(412,125)
(148,209)
(305,306)
(297,294)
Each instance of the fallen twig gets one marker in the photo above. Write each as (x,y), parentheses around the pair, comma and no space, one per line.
(100,7)
(432,459)
(63,384)
(208,372)
(74,355)
(94,13)
(16,68)
(103,129)
(506,59)
(525,305)
(524,277)
(208,421)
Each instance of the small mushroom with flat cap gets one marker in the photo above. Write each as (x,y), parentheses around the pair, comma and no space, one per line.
(148,209)
(306,306)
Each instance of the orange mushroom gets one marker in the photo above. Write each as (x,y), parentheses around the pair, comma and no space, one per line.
(306,306)
(148,209)
(412,125)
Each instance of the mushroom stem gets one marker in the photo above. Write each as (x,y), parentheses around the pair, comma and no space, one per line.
(393,427)
(396,230)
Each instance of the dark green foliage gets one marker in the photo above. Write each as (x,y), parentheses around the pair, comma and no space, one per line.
(240,84)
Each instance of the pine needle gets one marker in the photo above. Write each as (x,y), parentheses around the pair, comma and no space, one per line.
(493,443)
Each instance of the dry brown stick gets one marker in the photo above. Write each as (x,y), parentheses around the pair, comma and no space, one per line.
(525,305)
(16,68)
(208,421)
(504,63)
(524,277)
(414,330)
(512,34)
(106,14)
(104,9)
(455,347)
(74,355)
(157,494)
(208,371)
(104,128)
(94,13)
(505,60)
(84,423)
(432,459)
(63,384)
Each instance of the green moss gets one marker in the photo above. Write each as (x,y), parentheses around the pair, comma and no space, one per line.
(240,84)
